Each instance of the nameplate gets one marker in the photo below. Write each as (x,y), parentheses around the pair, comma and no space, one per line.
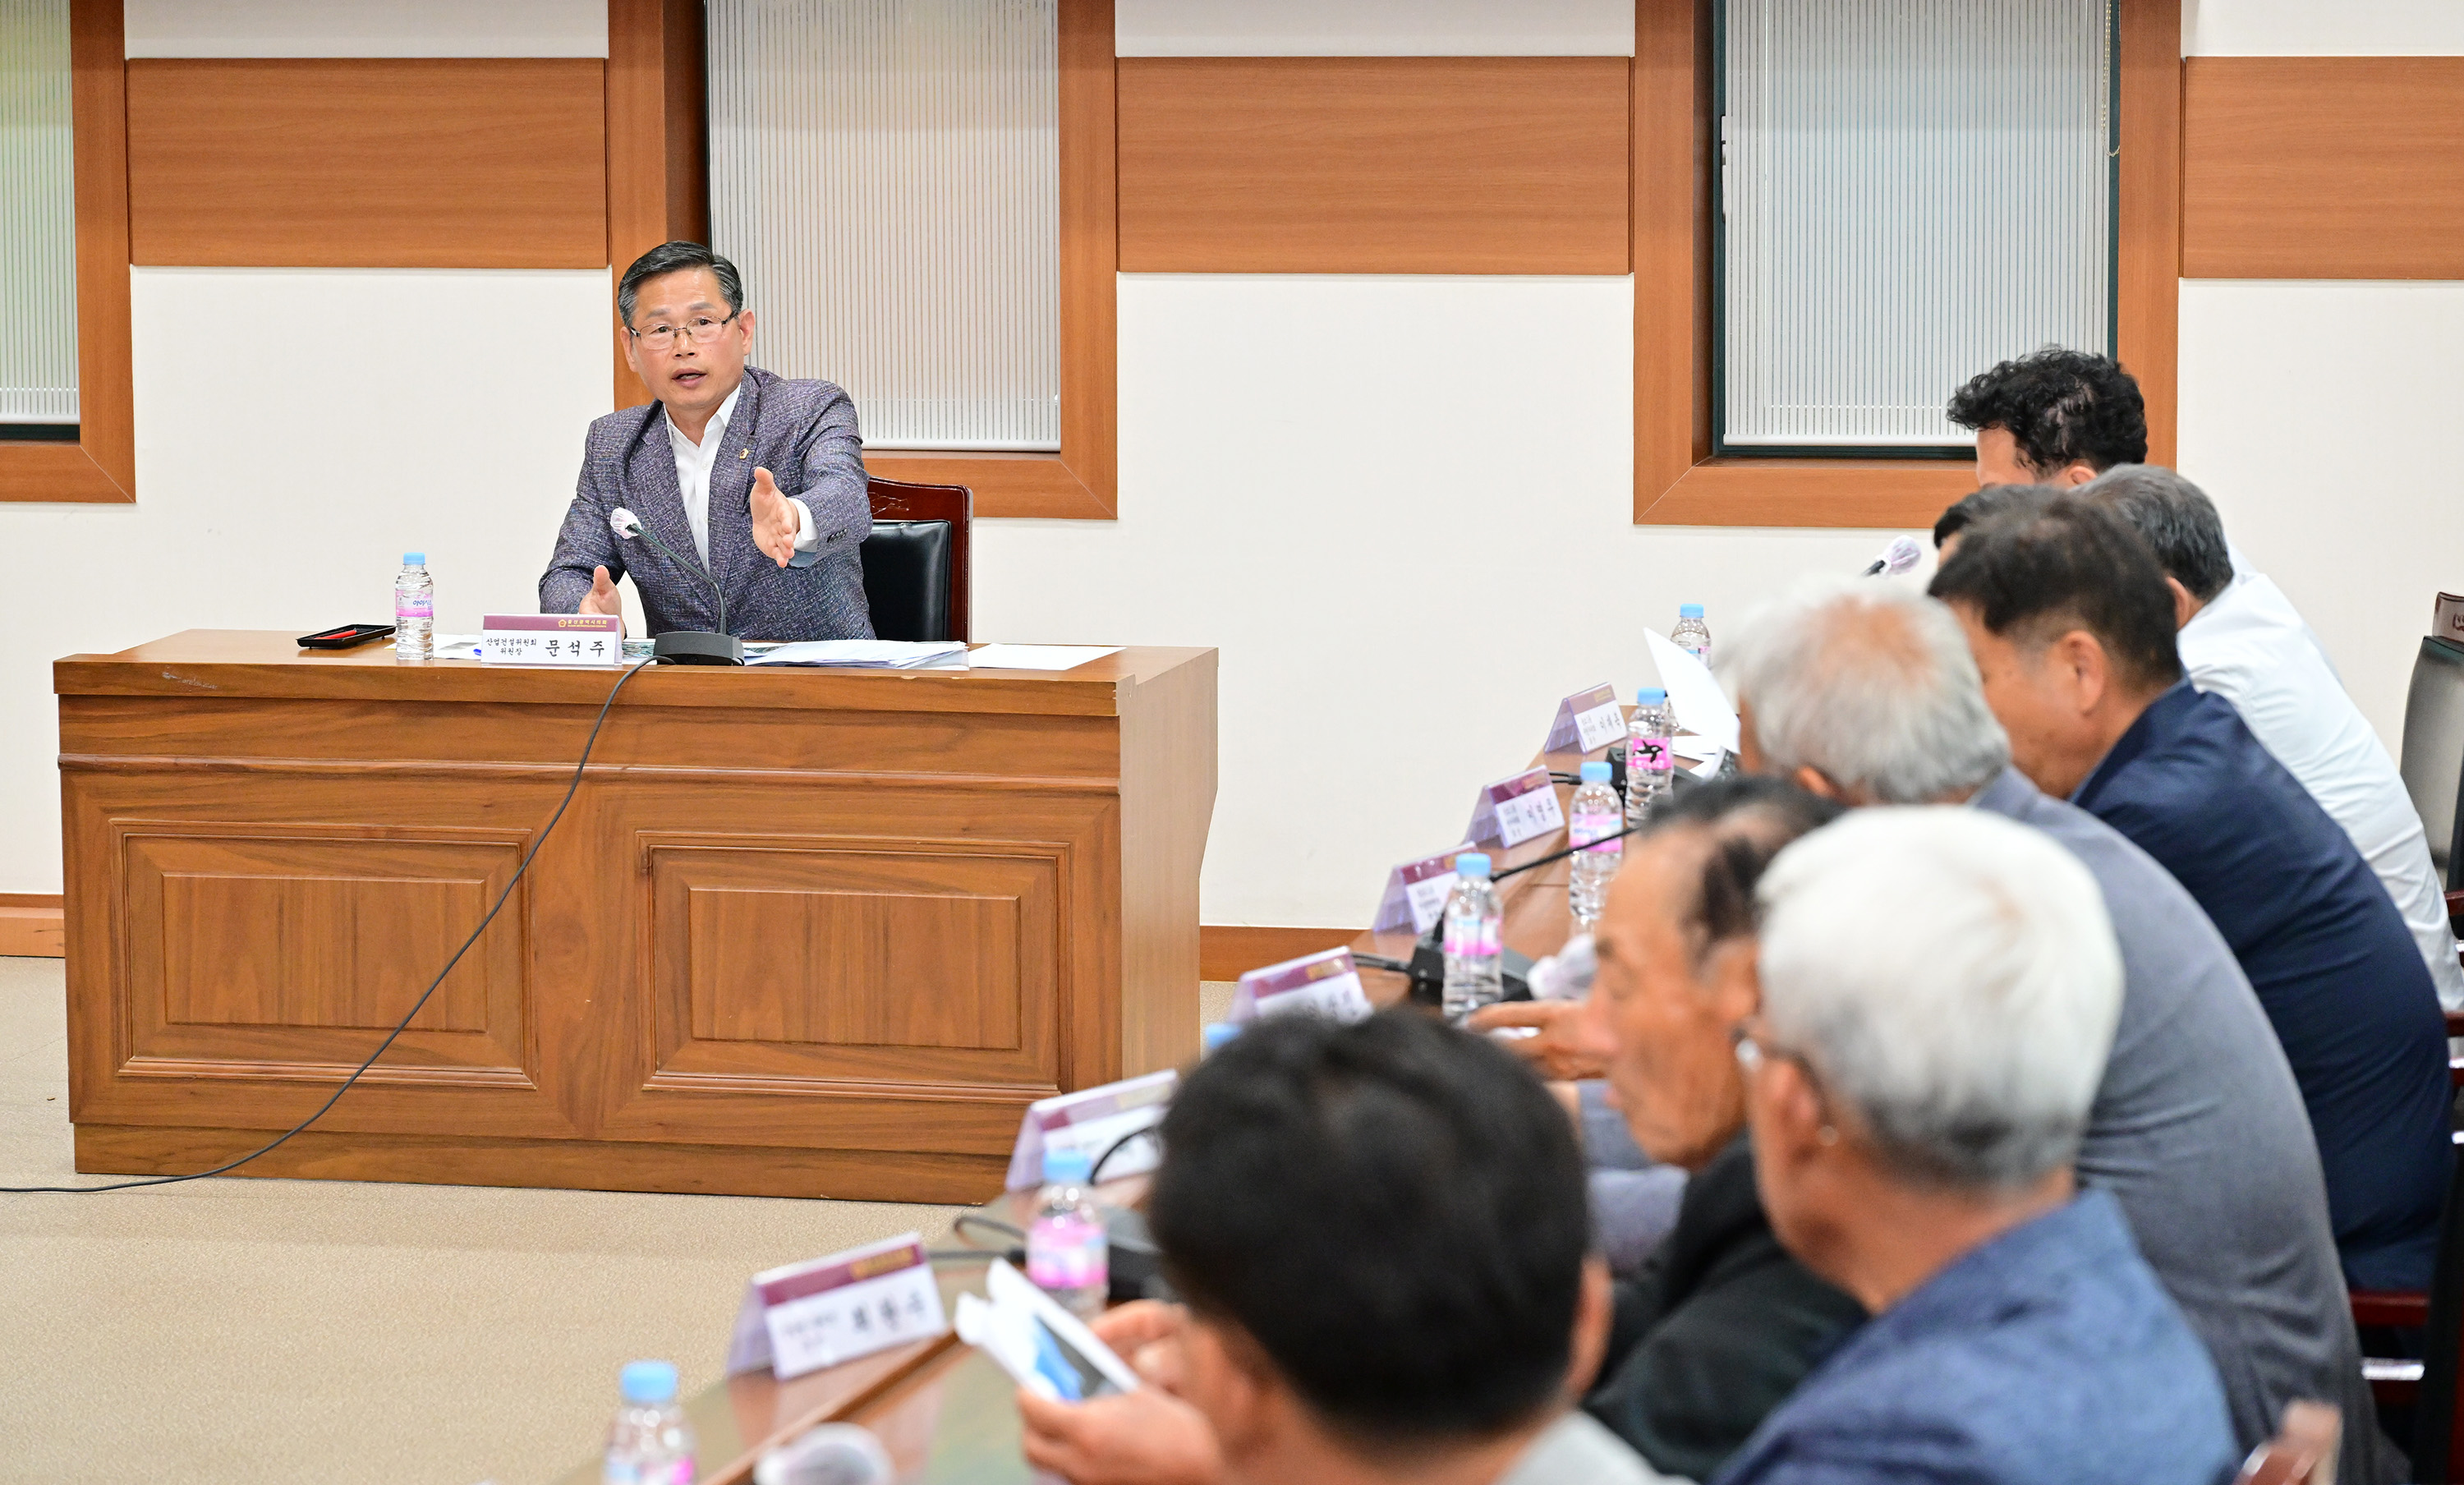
(2448,623)
(1587,722)
(1516,810)
(552,640)
(1415,893)
(1326,984)
(809,1316)
(1092,1121)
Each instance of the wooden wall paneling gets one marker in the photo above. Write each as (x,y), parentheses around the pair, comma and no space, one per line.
(367,162)
(1370,165)
(658,144)
(1168,787)
(1081,481)
(30,925)
(2148,274)
(2322,167)
(102,466)
(1677,481)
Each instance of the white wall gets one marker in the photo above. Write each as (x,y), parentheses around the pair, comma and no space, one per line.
(2322,28)
(1373,27)
(366,28)
(297,431)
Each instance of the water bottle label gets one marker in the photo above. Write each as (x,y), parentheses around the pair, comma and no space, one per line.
(408,606)
(1472,938)
(1066,1252)
(1650,755)
(1699,652)
(1591,832)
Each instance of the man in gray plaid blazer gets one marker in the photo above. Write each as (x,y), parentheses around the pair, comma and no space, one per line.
(758,479)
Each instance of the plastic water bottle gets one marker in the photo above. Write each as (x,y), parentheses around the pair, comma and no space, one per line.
(650,1443)
(1068,1254)
(1597,817)
(1691,634)
(414,607)
(1474,931)
(1650,767)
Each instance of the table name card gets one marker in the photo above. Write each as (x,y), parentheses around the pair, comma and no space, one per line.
(1416,892)
(1516,810)
(1326,984)
(2448,620)
(1093,1120)
(552,640)
(1587,722)
(809,1316)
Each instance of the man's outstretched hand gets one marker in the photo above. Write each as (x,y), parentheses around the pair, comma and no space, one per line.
(603,597)
(774,520)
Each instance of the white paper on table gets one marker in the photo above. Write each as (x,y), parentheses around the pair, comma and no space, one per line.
(1037,658)
(860,654)
(454,647)
(1702,706)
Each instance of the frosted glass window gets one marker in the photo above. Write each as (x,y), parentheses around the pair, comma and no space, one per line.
(886,172)
(1911,191)
(38,216)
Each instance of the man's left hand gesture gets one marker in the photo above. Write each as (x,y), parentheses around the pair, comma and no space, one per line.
(774,520)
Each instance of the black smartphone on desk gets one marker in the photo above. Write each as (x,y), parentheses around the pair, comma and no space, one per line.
(345,636)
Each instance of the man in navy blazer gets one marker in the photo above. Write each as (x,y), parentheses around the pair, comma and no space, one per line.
(2072,626)
(754,480)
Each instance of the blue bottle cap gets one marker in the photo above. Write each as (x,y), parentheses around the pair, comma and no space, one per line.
(1594,771)
(414,559)
(1689,610)
(648,1382)
(1068,1168)
(1472,863)
(1212,1036)
(1650,696)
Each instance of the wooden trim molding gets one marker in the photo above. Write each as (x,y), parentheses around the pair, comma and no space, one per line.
(1677,481)
(1375,164)
(2322,167)
(30,925)
(102,466)
(658,146)
(1081,481)
(1227,951)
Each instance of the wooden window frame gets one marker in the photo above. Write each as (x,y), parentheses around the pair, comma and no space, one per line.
(1677,481)
(658,174)
(99,468)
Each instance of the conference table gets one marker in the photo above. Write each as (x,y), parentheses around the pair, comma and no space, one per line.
(799,932)
(947,1414)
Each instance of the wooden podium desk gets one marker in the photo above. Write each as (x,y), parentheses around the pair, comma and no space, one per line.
(803,932)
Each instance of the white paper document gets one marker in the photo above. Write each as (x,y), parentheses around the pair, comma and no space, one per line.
(1036,657)
(1702,706)
(861,654)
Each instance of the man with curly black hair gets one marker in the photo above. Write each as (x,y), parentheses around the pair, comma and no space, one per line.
(2052,417)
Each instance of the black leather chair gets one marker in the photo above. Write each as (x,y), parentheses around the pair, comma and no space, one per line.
(2434,752)
(915,563)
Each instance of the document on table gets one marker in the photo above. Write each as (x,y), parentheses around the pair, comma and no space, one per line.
(1702,706)
(1036,657)
(862,654)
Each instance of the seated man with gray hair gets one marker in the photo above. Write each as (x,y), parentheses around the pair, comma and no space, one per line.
(1867,692)
(1938,989)
(2241,638)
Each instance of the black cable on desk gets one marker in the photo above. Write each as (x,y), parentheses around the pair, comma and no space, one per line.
(399,1026)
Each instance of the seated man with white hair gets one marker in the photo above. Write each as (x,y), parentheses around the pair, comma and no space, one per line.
(1868,693)
(1939,991)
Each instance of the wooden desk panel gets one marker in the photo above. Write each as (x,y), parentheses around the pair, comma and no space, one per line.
(799,932)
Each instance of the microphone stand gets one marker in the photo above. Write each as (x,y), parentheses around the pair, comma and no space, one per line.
(694,647)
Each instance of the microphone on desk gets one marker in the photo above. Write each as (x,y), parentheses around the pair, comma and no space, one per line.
(683,647)
(1897,558)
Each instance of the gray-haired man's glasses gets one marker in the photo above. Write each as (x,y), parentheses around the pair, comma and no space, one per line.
(701,332)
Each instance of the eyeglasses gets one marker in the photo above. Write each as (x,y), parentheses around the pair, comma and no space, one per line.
(1751,1054)
(700,331)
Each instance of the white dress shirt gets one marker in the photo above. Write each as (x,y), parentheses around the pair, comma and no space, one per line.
(2250,646)
(694,463)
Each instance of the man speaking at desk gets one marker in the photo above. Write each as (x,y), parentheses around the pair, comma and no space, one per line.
(760,477)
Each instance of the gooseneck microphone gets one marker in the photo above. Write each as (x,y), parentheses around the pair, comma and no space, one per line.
(683,647)
(1897,558)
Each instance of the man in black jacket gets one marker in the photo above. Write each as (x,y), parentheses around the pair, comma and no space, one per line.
(1720,1323)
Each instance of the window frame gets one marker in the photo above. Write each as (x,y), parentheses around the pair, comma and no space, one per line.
(1679,479)
(100,467)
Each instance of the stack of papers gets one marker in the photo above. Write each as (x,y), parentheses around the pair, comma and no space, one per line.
(863,654)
